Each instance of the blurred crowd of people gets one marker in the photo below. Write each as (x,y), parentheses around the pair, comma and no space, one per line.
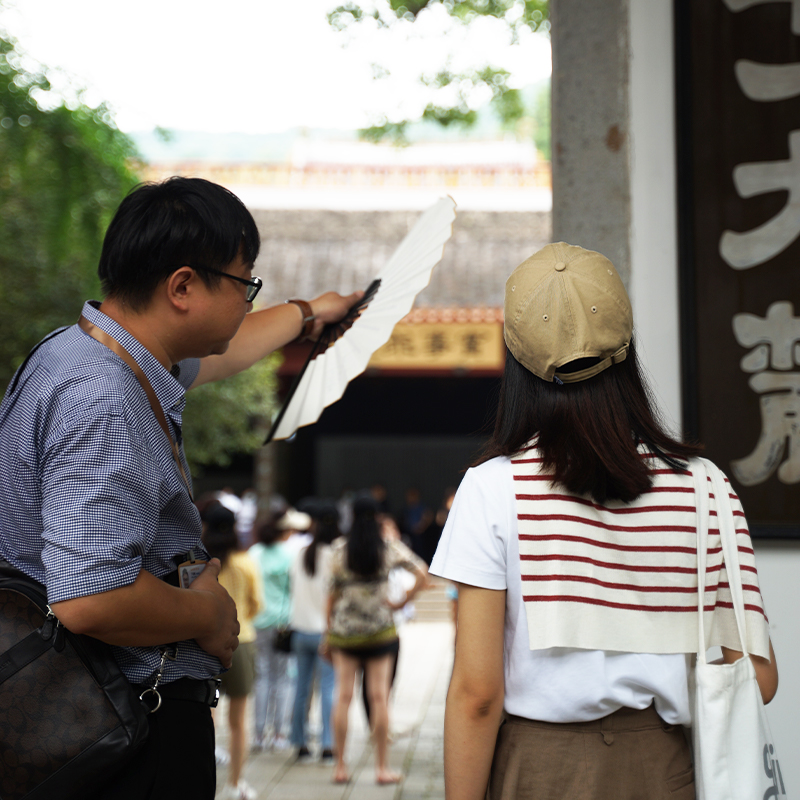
(321,591)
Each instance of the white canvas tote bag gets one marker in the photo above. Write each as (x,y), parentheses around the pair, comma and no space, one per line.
(734,753)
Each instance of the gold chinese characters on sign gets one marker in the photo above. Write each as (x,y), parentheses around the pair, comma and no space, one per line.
(451,345)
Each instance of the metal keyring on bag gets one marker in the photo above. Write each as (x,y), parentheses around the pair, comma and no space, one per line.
(170,653)
(151,690)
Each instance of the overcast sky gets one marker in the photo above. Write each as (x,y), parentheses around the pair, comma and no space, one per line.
(252,66)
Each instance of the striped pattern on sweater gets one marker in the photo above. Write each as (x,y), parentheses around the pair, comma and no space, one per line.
(623,576)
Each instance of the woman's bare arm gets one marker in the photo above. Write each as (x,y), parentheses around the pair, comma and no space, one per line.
(475,698)
(766,671)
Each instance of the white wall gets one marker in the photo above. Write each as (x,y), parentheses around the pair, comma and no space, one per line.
(654,276)
(778,564)
(654,295)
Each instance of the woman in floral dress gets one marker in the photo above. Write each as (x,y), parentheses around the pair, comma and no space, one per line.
(361,630)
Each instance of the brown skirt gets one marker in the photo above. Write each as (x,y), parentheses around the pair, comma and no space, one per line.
(628,755)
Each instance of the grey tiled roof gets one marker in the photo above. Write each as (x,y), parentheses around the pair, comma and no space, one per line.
(305,253)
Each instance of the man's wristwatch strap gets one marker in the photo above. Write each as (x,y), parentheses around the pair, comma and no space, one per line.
(308,317)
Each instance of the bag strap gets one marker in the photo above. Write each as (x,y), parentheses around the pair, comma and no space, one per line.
(24,364)
(23,652)
(701,506)
(112,344)
(702,470)
(730,551)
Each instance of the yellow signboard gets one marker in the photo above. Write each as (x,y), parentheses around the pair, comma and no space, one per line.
(448,345)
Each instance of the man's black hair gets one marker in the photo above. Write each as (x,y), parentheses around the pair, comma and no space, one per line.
(160,227)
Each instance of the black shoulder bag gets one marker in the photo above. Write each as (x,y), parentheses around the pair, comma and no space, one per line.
(69,718)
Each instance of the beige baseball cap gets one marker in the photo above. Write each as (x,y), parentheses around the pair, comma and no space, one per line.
(294,520)
(565,303)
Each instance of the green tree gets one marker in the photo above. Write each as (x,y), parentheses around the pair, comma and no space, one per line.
(63,171)
(458,109)
(229,417)
(64,168)
(541,121)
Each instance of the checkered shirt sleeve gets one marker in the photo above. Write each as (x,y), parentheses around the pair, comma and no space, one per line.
(89,491)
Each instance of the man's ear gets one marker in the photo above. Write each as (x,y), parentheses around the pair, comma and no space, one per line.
(180,286)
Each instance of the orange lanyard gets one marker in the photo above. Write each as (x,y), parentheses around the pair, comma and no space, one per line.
(112,344)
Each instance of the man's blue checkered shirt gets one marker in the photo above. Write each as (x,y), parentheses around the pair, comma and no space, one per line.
(89,491)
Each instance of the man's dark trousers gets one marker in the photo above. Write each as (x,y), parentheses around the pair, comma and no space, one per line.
(176,761)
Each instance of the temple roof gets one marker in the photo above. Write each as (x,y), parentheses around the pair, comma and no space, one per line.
(305,253)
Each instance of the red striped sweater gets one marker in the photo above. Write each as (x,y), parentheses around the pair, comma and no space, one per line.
(623,576)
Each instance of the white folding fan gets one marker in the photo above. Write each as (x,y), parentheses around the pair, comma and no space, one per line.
(345,348)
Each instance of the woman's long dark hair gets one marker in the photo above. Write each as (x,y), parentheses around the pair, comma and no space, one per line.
(587,432)
(219,533)
(326,529)
(268,532)
(365,545)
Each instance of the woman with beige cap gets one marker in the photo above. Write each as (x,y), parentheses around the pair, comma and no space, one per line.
(573,544)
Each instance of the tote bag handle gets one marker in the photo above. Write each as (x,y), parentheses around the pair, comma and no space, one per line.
(702,471)
(734,751)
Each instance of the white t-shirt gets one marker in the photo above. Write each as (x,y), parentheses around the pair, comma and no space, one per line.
(479,547)
(309,593)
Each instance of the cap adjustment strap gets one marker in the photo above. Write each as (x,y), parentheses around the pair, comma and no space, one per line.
(574,377)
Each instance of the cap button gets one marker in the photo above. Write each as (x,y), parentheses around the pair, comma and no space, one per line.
(560,266)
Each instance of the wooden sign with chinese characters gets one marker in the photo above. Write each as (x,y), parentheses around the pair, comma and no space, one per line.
(443,345)
(738,86)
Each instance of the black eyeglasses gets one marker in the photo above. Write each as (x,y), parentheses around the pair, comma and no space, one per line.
(253,286)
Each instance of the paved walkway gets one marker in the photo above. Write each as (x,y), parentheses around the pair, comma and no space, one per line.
(417,720)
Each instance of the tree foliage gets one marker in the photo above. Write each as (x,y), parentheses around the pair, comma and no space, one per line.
(229,417)
(455,107)
(541,121)
(64,168)
(63,171)
(531,14)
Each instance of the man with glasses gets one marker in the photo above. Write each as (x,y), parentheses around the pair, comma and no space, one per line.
(95,497)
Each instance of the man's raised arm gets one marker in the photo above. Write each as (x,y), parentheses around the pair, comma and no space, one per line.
(263,332)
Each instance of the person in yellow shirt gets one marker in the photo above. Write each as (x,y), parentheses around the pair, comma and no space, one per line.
(239,577)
